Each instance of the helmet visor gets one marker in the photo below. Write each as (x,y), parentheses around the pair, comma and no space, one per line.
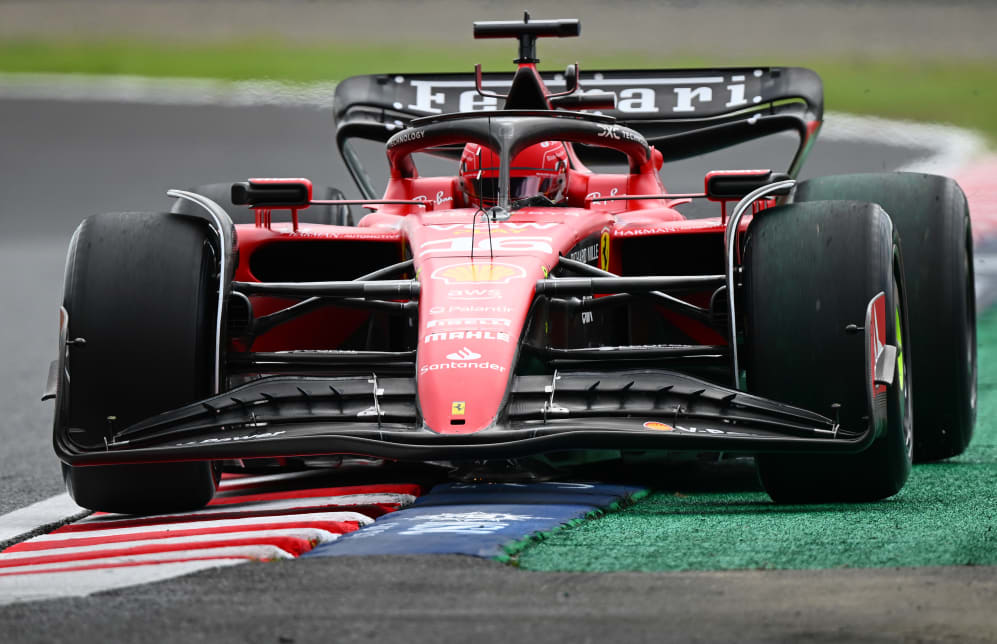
(486,188)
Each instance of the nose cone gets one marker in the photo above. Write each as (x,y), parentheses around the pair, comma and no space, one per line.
(470,321)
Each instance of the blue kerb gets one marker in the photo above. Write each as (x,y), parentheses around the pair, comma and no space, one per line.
(476,519)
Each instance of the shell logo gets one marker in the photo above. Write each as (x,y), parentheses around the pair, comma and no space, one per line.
(664,427)
(478,273)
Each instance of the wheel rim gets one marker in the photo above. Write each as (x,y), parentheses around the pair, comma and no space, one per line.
(969,281)
(903,374)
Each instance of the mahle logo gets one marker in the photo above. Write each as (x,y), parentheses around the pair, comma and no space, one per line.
(478,273)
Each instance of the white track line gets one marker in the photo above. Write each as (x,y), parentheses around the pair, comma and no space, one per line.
(28,521)
(249,522)
(38,516)
(308,534)
(21,588)
(258,552)
(947,148)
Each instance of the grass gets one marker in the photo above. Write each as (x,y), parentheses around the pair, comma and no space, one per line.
(958,92)
(945,515)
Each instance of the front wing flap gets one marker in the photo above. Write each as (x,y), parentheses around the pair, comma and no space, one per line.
(282,416)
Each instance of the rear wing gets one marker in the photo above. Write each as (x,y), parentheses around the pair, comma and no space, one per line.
(682,112)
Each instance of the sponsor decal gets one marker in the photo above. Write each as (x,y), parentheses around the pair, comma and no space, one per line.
(597,194)
(461,245)
(439,200)
(446,366)
(641,232)
(464,354)
(604,250)
(457,408)
(478,273)
(586,254)
(707,430)
(405,136)
(229,439)
(475,294)
(617,132)
(467,309)
(308,233)
(684,429)
(637,96)
(466,523)
(500,336)
(469,322)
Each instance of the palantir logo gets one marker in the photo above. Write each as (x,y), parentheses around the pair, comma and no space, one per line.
(463,355)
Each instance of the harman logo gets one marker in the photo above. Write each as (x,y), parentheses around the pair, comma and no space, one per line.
(464,355)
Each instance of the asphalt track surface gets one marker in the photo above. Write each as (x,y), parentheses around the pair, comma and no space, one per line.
(62,161)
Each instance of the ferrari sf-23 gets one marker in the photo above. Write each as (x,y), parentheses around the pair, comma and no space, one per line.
(522,311)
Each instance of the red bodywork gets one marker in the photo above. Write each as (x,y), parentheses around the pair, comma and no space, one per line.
(478,286)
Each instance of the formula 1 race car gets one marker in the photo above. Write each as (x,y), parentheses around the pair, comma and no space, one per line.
(523,310)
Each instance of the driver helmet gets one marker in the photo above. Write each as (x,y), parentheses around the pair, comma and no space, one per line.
(540,169)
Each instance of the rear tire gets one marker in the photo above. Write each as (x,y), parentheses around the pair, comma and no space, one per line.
(140,291)
(809,271)
(932,217)
(221,194)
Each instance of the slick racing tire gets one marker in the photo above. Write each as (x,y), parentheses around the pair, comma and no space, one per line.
(932,217)
(221,193)
(140,291)
(810,271)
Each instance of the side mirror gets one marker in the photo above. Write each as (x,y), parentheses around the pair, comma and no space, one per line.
(571,78)
(272,193)
(731,185)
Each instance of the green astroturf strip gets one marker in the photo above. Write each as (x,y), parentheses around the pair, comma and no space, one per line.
(945,515)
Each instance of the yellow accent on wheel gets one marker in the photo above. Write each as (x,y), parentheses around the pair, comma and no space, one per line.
(900,352)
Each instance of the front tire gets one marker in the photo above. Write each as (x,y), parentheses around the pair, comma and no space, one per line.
(810,270)
(140,291)
(932,217)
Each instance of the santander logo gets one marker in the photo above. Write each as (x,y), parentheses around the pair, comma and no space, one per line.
(463,355)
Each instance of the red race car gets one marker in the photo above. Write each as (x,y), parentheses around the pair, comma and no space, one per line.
(523,310)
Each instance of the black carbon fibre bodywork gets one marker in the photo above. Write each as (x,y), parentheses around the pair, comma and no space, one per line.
(625,410)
